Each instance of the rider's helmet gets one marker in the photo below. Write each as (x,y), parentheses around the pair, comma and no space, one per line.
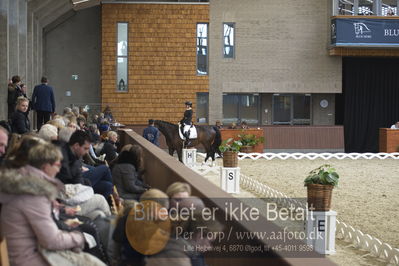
(188,103)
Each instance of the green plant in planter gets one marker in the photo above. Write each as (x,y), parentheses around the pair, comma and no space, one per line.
(230,145)
(323,175)
(250,139)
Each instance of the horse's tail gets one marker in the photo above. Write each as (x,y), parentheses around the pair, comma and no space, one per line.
(218,140)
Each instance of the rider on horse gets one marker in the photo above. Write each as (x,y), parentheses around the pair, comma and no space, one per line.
(187,120)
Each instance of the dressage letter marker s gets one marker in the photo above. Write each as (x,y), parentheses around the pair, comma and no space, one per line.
(230,179)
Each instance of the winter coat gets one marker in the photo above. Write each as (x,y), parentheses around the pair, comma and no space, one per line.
(125,178)
(20,123)
(109,149)
(43,98)
(26,196)
(14,91)
(71,168)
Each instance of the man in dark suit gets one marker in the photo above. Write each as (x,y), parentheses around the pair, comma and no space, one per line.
(43,102)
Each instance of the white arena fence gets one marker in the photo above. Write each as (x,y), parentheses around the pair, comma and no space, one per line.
(355,237)
(313,156)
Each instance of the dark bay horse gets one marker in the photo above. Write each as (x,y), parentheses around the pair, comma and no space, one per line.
(208,136)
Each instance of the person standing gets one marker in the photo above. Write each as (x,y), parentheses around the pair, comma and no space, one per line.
(395,126)
(43,102)
(151,133)
(14,91)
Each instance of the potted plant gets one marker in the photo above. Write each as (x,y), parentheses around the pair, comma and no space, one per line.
(230,149)
(249,141)
(320,183)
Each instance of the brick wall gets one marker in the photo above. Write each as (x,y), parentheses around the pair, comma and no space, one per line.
(162,60)
(281,47)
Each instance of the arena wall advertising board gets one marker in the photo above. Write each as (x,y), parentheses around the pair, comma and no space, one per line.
(362,32)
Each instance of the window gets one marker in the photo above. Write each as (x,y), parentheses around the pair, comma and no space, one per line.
(366,7)
(291,109)
(122,57)
(202,49)
(202,107)
(228,40)
(389,8)
(241,107)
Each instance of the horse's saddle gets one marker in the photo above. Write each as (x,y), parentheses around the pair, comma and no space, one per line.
(191,128)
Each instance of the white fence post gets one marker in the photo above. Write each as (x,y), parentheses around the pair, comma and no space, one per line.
(190,157)
(230,179)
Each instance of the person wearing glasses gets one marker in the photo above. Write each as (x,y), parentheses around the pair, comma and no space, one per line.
(27,195)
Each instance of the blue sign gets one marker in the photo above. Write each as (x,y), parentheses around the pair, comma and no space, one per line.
(365,32)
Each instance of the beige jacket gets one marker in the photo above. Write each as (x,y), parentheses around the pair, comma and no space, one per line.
(26,220)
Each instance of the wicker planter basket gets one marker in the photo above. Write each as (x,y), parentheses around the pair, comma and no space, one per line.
(247,149)
(230,159)
(319,196)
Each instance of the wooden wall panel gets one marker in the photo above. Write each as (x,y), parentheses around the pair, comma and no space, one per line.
(304,137)
(388,140)
(292,137)
(162,60)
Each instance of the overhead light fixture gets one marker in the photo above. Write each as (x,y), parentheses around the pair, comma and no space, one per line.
(79,2)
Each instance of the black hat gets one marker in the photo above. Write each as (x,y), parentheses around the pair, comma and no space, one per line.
(188,103)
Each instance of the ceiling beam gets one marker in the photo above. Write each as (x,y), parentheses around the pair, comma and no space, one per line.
(50,17)
(50,8)
(36,5)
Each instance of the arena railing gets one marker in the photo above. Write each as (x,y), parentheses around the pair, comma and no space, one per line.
(161,170)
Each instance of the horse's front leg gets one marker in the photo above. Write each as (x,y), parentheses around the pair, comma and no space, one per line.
(180,154)
(171,151)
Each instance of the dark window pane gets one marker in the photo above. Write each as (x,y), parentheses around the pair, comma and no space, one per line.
(202,107)
(230,109)
(301,107)
(249,109)
(282,109)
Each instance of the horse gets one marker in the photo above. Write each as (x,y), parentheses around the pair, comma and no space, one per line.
(208,136)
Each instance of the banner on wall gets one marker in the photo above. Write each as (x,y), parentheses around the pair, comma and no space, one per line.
(364,32)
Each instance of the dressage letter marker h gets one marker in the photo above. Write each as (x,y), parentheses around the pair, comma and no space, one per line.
(189,157)
(320,231)
(230,179)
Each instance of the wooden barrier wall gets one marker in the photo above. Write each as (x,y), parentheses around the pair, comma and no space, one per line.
(389,140)
(161,60)
(162,170)
(304,137)
(292,137)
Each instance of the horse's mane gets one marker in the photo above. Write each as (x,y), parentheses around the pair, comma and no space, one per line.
(166,123)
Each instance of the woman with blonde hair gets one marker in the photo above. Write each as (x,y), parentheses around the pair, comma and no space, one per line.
(109,148)
(20,123)
(26,196)
(179,190)
(48,132)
